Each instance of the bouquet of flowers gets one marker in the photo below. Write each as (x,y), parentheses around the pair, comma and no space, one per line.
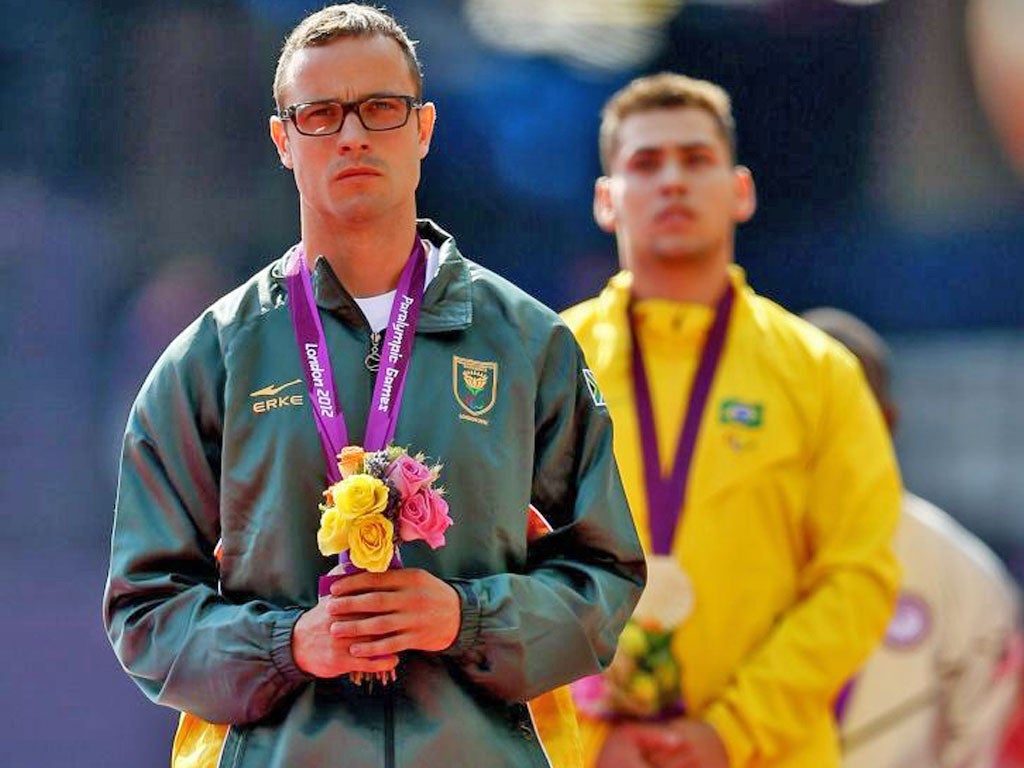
(384,498)
(644,681)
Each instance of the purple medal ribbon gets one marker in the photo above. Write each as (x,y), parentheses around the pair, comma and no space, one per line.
(666,496)
(396,353)
(842,703)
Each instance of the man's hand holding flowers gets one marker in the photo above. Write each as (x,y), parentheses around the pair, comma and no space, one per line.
(369,618)
(378,609)
(383,614)
(680,743)
(318,653)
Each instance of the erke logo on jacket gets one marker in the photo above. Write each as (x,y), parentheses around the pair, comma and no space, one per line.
(267,398)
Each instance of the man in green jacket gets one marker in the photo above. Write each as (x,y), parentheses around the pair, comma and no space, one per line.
(212,598)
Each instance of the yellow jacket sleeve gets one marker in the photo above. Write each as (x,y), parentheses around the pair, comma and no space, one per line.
(847,585)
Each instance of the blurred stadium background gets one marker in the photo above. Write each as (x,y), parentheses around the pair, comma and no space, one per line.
(137,183)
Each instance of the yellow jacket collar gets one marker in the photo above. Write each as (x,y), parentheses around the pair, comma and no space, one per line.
(678,321)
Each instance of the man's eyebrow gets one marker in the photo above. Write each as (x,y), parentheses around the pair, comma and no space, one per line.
(697,144)
(371,95)
(646,150)
(687,146)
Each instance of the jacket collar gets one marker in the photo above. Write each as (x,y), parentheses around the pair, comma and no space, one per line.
(613,329)
(447,304)
(616,294)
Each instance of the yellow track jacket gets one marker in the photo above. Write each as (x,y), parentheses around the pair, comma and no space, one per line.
(786,533)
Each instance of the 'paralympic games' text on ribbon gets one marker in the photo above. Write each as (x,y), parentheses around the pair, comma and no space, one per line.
(390,382)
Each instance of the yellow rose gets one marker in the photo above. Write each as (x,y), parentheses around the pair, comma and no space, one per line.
(633,641)
(359,495)
(332,538)
(666,674)
(350,460)
(371,540)
(644,691)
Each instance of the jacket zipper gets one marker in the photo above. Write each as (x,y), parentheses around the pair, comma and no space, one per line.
(389,729)
(372,359)
(372,362)
(223,750)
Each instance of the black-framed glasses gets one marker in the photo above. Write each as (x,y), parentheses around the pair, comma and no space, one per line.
(376,113)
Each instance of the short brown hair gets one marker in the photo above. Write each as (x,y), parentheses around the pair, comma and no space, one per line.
(666,90)
(341,21)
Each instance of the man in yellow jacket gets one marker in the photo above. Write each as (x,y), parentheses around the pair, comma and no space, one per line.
(754,456)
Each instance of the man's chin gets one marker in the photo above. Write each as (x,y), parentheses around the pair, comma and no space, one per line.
(677,249)
(354,211)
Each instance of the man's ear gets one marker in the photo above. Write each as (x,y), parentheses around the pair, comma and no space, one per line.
(604,211)
(426,121)
(746,194)
(280,138)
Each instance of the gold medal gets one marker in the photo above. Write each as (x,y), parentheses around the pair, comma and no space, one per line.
(668,597)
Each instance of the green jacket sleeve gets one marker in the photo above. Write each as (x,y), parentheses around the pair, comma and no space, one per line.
(524,634)
(176,636)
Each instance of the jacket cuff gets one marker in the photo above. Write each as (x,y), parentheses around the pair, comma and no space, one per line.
(468,637)
(738,743)
(281,646)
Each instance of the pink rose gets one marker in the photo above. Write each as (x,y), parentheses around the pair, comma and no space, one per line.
(590,694)
(408,475)
(424,515)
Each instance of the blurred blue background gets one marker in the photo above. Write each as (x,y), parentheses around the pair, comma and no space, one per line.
(137,183)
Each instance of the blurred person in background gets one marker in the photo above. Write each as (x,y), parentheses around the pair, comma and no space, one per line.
(756,462)
(212,601)
(938,691)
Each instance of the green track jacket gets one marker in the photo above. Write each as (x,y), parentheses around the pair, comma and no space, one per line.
(221,445)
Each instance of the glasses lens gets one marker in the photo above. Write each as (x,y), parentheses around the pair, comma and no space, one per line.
(318,118)
(383,114)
